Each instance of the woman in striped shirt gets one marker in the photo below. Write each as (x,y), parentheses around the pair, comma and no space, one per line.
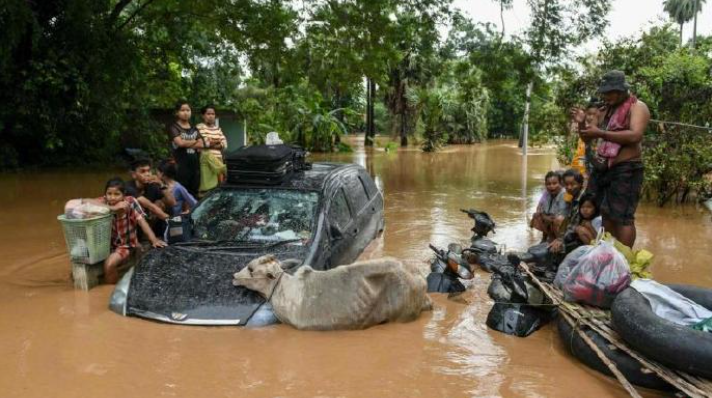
(211,133)
(212,167)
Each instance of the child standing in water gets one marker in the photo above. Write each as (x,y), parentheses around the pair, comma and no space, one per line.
(124,239)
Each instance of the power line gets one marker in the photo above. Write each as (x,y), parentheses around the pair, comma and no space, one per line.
(681,124)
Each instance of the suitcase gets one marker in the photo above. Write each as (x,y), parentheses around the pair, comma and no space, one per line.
(265,164)
(261,157)
(238,175)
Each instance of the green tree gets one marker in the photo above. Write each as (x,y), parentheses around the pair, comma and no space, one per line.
(416,40)
(556,27)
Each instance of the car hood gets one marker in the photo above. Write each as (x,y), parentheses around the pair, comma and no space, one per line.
(193,285)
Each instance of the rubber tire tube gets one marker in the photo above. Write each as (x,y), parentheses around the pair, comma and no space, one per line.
(630,367)
(679,347)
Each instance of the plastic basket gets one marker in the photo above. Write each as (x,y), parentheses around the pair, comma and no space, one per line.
(89,239)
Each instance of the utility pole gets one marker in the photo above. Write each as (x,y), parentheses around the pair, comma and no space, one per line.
(525,121)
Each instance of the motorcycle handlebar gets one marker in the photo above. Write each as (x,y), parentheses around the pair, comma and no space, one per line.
(440,253)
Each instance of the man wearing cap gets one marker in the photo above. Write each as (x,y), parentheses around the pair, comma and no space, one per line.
(617,176)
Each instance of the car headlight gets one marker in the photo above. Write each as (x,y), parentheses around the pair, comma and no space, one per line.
(117,302)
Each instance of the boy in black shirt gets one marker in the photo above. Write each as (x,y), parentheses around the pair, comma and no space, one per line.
(151,194)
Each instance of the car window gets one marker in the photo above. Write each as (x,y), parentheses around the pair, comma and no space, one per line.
(340,210)
(365,190)
(257,215)
(357,194)
(369,185)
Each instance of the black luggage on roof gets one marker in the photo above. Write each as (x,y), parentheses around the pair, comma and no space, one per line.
(264,164)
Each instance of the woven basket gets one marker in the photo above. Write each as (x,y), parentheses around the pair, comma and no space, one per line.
(89,239)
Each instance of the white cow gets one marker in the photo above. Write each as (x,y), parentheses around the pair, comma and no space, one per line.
(352,296)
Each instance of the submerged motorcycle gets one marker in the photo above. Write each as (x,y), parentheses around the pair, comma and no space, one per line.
(447,268)
(489,257)
(484,250)
(516,310)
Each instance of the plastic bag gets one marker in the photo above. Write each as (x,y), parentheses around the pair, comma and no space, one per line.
(75,209)
(273,138)
(704,326)
(79,249)
(638,260)
(600,275)
(570,261)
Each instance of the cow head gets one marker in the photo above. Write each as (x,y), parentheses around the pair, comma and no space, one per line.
(260,275)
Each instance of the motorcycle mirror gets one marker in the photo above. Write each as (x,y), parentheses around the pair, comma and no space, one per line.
(454,248)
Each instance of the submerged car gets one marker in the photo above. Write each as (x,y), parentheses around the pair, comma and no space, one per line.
(324,217)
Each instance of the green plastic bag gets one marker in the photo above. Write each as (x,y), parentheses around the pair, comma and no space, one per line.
(704,326)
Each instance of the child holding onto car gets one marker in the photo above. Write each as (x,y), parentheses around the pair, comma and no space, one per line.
(128,215)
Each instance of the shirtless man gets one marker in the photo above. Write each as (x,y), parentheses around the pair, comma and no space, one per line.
(617,176)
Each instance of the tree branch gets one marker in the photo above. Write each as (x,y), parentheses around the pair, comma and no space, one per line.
(120,6)
(134,14)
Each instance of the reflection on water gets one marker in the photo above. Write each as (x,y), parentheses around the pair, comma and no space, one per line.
(63,343)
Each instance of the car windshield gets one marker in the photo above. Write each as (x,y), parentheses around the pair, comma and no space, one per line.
(256,215)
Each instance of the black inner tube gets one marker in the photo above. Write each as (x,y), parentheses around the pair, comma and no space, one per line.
(630,367)
(676,346)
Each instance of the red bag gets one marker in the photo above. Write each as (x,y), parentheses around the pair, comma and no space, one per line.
(600,275)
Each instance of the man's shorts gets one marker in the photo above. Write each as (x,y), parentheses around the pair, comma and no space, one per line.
(618,190)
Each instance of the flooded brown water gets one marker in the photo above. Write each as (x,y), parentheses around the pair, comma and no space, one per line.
(57,342)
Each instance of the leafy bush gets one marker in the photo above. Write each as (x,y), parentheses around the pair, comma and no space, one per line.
(677,161)
(298,112)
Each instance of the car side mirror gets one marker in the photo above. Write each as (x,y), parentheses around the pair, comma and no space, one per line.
(335,233)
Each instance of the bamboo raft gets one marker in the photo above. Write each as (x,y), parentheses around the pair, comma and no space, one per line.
(600,322)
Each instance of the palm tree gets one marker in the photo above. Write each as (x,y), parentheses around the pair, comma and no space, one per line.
(683,11)
(503,5)
(698,8)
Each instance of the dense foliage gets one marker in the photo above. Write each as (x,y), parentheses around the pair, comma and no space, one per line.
(81,79)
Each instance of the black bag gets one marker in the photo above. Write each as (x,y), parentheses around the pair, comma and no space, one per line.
(516,319)
(179,229)
(444,283)
(265,164)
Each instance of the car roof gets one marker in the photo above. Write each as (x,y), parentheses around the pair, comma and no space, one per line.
(314,179)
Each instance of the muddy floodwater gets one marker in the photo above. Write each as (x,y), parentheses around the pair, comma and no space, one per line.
(57,342)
